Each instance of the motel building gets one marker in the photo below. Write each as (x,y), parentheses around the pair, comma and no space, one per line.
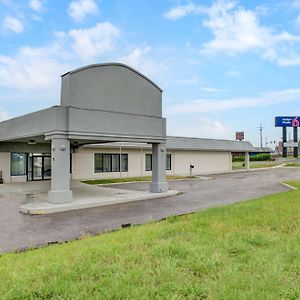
(109,124)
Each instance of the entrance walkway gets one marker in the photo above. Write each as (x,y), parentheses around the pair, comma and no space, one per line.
(84,196)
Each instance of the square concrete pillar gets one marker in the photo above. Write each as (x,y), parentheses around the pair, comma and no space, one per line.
(60,173)
(159,155)
(247,161)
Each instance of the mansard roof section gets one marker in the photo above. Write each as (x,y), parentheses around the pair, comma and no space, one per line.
(113,87)
(113,64)
(34,124)
(188,143)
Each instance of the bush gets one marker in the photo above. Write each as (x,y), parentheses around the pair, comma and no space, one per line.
(238,158)
(260,157)
(257,157)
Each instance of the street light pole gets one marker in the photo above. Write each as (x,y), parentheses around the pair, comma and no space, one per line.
(261,136)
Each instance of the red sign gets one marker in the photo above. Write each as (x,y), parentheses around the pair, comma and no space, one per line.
(295,122)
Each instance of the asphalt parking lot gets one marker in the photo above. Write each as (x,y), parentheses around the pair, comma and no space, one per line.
(19,231)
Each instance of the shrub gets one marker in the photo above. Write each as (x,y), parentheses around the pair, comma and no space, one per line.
(260,157)
(257,157)
(238,158)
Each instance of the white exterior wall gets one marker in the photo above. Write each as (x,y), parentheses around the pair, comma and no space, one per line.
(5,166)
(21,178)
(204,161)
(83,164)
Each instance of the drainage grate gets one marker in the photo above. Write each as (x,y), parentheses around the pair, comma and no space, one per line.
(126,225)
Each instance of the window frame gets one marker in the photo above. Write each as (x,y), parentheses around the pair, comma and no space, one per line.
(170,159)
(25,156)
(167,155)
(110,165)
(148,155)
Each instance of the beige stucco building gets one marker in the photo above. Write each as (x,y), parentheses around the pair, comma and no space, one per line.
(207,156)
(97,161)
(109,124)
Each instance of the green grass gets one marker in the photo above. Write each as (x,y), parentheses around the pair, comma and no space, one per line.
(254,165)
(292,164)
(249,250)
(130,179)
(294,183)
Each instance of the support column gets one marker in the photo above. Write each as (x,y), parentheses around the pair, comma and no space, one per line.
(247,161)
(60,173)
(284,149)
(159,155)
(296,141)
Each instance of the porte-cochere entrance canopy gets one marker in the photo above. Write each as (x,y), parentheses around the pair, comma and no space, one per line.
(99,103)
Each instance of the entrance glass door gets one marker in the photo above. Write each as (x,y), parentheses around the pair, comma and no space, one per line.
(47,167)
(39,167)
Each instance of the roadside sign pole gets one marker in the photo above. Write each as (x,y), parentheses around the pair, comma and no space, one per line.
(284,149)
(296,141)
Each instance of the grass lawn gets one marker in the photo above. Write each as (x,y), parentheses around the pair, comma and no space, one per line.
(292,164)
(249,250)
(294,183)
(130,179)
(254,165)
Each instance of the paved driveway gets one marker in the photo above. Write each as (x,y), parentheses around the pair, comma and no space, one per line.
(18,231)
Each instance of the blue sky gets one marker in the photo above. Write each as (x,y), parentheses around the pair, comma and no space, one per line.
(224,66)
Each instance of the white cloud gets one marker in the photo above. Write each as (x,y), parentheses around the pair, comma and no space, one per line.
(92,42)
(40,68)
(292,60)
(213,105)
(297,21)
(194,80)
(199,126)
(238,30)
(184,10)
(32,68)
(80,9)
(3,115)
(36,5)
(296,4)
(233,73)
(211,90)
(12,24)
(139,60)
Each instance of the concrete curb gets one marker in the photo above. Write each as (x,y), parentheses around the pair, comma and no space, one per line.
(289,186)
(143,181)
(42,208)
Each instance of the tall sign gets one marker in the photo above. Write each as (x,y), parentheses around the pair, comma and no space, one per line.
(284,122)
(239,135)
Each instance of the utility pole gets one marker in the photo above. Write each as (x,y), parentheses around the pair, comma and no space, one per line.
(261,137)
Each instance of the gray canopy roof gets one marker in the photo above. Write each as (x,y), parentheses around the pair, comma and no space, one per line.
(187,143)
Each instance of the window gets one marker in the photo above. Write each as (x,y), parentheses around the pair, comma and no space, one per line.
(148,162)
(18,164)
(124,162)
(168,166)
(105,163)
(148,165)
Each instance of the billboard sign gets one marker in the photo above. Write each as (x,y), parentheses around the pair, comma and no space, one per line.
(239,135)
(290,144)
(287,121)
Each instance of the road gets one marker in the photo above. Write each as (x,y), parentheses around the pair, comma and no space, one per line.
(20,231)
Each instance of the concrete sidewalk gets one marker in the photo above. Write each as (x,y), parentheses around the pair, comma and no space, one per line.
(87,196)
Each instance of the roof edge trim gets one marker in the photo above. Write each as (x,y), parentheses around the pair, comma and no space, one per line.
(113,64)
